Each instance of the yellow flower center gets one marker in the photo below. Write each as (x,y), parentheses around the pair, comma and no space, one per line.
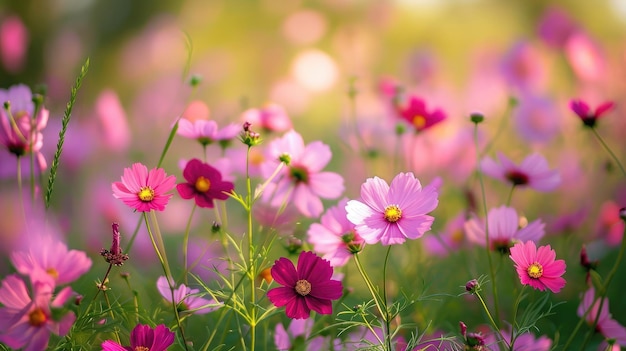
(141,348)
(393,213)
(53,272)
(303,287)
(146,194)
(419,121)
(535,270)
(37,318)
(202,184)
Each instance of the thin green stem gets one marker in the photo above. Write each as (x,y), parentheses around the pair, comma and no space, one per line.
(510,197)
(186,243)
(380,303)
(387,318)
(491,320)
(252,268)
(608,149)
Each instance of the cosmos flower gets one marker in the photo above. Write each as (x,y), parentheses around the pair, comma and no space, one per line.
(504,229)
(271,118)
(415,113)
(533,172)
(538,267)
(298,334)
(588,116)
(187,299)
(143,337)
(392,214)
(302,183)
(27,322)
(204,184)
(309,287)
(142,190)
(335,236)
(606,325)
(207,131)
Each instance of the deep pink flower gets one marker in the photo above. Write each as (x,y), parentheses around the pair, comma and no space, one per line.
(207,131)
(609,327)
(302,183)
(142,190)
(415,113)
(271,117)
(204,184)
(335,236)
(19,133)
(310,287)
(392,214)
(187,299)
(143,337)
(504,229)
(13,43)
(49,260)
(532,172)
(586,114)
(28,322)
(538,267)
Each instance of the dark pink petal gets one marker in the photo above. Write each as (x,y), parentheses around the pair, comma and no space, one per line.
(186,190)
(321,306)
(329,290)
(605,107)
(284,272)
(554,284)
(282,295)
(580,108)
(110,345)
(297,308)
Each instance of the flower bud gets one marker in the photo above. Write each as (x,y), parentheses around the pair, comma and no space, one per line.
(472,286)
(477,118)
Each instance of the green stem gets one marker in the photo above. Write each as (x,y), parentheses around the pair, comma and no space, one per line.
(380,303)
(186,243)
(608,149)
(510,197)
(491,320)
(387,317)
(252,268)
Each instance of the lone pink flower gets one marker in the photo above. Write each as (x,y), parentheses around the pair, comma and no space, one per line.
(538,267)
(308,288)
(187,299)
(415,113)
(207,131)
(27,322)
(271,117)
(588,116)
(532,172)
(607,326)
(392,214)
(204,184)
(143,337)
(142,190)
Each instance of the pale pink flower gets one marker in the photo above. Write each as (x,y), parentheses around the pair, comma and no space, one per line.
(538,267)
(302,182)
(271,117)
(523,342)
(606,325)
(284,340)
(114,131)
(504,229)
(142,190)
(609,225)
(49,260)
(335,237)
(585,57)
(27,322)
(393,213)
(187,299)
(450,240)
(533,172)
(536,118)
(207,131)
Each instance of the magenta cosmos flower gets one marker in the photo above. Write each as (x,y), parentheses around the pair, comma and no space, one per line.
(588,116)
(335,236)
(504,230)
(392,214)
(302,183)
(27,322)
(533,172)
(204,184)
(309,287)
(538,267)
(142,190)
(143,337)
(187,299)
(415,113)
(606,325)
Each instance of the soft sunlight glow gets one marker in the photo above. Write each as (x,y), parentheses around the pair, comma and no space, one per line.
(315,70)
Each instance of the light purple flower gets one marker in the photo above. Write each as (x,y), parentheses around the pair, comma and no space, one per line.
(302,182)
(392,214)
(536,118)
(609,327)
(532,172)
(187,299)
(504,229)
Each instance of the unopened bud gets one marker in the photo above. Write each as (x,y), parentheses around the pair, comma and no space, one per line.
(477,118)
(472,286)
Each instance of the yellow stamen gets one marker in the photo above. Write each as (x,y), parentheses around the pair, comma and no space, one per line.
(202,184)
(393,213)
(303,287)
(419,121)
(141,348)
(53,272)
(37,318)
(535,270)
(146,194)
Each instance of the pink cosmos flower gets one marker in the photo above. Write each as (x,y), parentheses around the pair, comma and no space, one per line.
(142,190)
(13,43)
(585,56)
(556,26)
(607,326)
(609,225)
(524,67)
(415,113)
(532,172)
(204,184)
(187,299)
(450,240)
(302,182)
(49,260)
(504,229)
(309,287)
(523,342)
(207,131)
(271,118)
(538,267)
(143,337)
(16,126)
(27,322)
(335,236)
(114,129)
(536,118)
(391,214)
(588,116)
